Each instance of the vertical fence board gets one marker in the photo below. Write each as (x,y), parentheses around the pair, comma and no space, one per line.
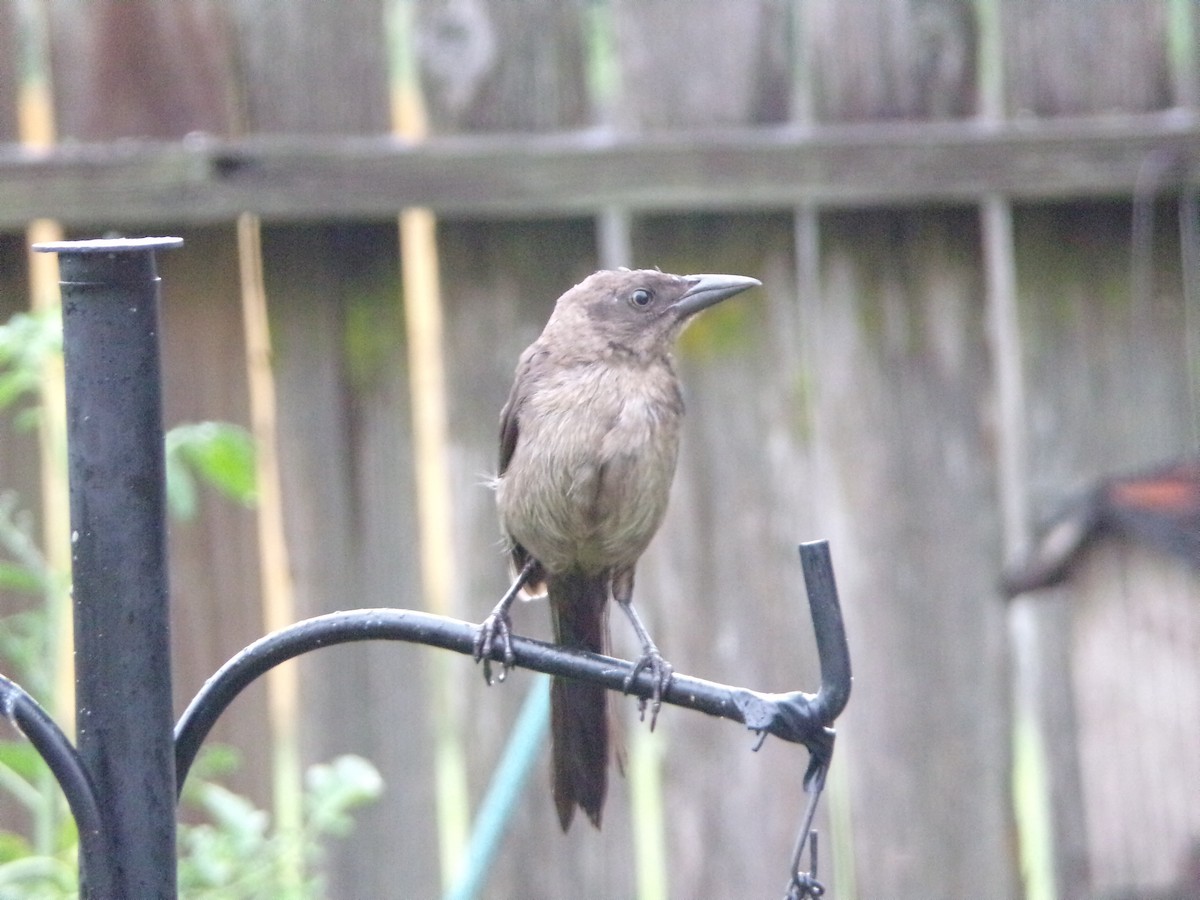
(724,63)
(489,66)
(346,470)
(1135,652)
(1108,392)
(1106,372)
(903,400)
(895,59)
(136,68)
(315,68)
(499,283)
(1064,58)
(11,53)
(312,68)
(903,395)
(214,558)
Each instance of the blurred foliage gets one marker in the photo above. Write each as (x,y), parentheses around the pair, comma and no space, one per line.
(218,453)
(234,852)
(28,342)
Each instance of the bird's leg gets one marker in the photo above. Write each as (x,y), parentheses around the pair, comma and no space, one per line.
(499,625)
(661,671)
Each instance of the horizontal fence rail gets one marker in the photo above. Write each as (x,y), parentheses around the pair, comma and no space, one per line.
(207,179)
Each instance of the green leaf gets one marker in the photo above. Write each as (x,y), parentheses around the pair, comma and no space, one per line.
(337,787)
(27,342)
(181,488)
(19,578)
(20,765)
(13,846)
(218,453)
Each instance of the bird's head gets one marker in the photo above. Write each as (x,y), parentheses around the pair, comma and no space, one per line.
(639,310)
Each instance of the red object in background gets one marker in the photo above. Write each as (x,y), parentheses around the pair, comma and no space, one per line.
(1158,507)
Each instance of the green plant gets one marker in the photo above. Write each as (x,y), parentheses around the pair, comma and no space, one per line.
(233,851)
(233,854)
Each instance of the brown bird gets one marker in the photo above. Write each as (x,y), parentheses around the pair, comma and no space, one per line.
(588,442)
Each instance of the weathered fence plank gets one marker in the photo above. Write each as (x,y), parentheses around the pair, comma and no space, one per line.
(150,70)
(1136,678)
(126,70)
(908,495)
(214,558)
(502,67)
(1106,369)
(12,52)
(1070,59)
(726,62)
(900,163)
(875,60)
(312,69)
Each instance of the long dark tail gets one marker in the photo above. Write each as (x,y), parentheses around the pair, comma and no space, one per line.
(579,710)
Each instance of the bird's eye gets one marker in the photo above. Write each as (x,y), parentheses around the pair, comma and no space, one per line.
(640,297)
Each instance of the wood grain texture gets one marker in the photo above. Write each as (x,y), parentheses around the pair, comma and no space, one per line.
(502,67)
(10,71)
(214,557)
(1064,59)
(896,59)
(908,498)
(724,63)
(307,178)
(140,69)
(1135,645)
(1107,376)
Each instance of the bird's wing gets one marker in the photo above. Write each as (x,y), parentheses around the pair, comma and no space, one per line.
(510,415)
(510,428)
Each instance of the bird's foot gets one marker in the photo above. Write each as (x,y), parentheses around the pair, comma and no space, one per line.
(496,627)
(661,673)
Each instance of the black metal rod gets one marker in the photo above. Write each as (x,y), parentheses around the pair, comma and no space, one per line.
(796,716)
(435,631)
(68,769)
(118,560)
(833,651)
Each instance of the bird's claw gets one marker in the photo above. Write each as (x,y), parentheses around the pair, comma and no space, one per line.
(661,673)
(496,626)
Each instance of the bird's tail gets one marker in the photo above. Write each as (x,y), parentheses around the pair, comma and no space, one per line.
(578,709)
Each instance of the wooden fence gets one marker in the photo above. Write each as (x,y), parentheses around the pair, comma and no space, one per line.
(938,197)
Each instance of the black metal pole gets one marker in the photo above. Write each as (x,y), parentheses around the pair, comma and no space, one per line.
(118,560)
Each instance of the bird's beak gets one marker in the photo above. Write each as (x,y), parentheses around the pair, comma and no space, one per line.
(707,290)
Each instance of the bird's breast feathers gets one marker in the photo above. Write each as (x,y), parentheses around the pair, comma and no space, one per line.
(592,469)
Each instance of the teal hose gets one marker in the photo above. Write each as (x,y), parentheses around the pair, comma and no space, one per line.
(508,781)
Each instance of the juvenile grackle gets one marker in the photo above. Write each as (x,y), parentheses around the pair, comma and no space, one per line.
(588,442)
